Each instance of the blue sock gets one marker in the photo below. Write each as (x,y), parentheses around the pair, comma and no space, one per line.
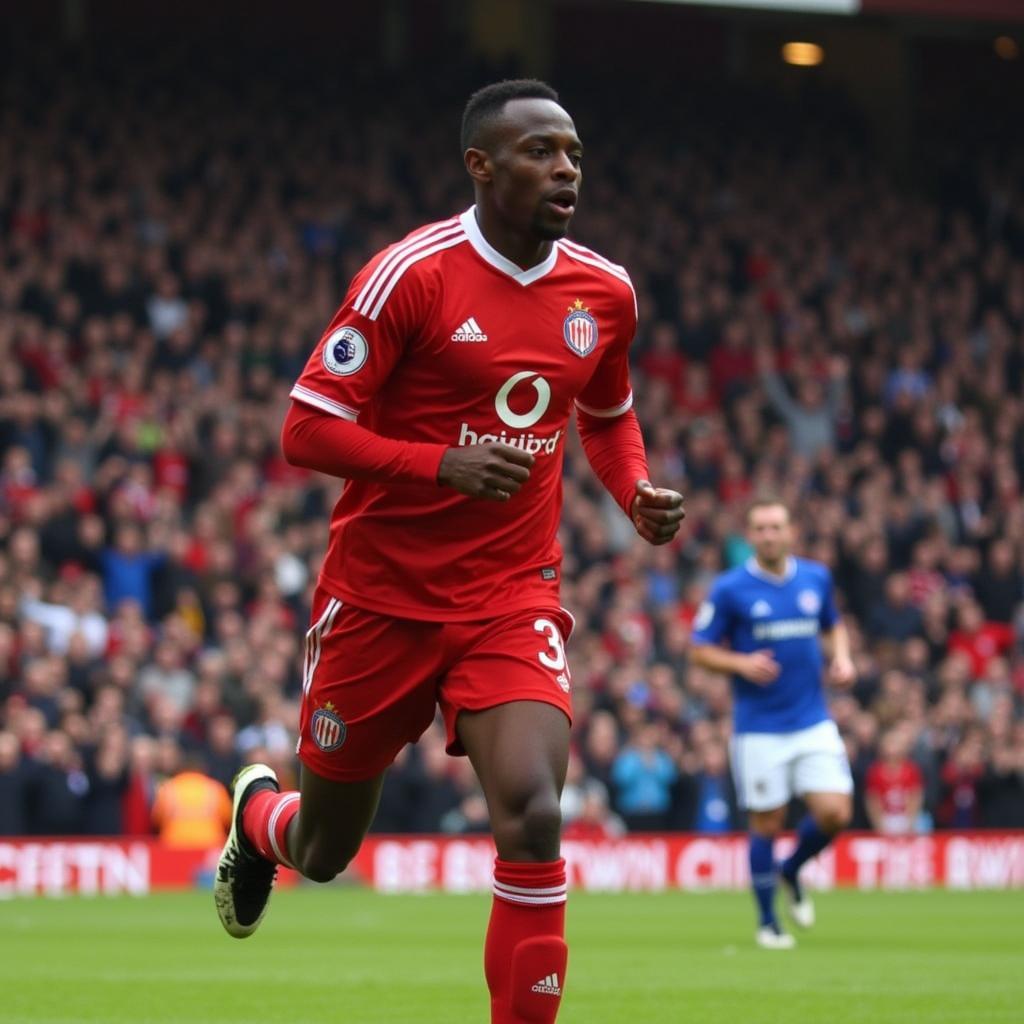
(810,842)
(762,876)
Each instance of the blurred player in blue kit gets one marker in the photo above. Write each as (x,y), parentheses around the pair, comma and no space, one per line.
(765,624)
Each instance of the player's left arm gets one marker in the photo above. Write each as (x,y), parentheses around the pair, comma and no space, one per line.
(841,670)
(836,638)
(614,445)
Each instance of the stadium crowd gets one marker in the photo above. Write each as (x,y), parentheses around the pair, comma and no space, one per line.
(171,247)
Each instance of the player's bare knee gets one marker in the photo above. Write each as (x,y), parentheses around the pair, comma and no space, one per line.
(541,827)
(320,868)
(531,833)
(317,870)
(830,823)
(768,823)
(843,818)
(325,863)
(835,817)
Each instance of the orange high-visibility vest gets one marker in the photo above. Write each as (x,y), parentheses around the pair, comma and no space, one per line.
(193,811)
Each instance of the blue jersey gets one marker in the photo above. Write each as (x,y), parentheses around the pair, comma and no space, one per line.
(752,610)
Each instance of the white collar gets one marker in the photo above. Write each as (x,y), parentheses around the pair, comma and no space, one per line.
(491,255)
(754,568)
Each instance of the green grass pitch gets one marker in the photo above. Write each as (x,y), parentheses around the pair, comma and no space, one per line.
(346,955)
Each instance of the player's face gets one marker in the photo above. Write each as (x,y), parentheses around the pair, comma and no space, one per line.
(535,168)
(770,532)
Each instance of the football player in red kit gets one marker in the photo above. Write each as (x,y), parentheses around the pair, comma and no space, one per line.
(441,392)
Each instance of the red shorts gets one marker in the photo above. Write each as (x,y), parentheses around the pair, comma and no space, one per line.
(371,682)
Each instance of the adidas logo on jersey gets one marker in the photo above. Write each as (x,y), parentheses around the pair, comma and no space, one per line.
(548,986)
(760,609)
(469,331)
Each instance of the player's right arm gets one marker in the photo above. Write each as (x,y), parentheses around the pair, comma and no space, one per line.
(712,625)
(341,448)
(383,313)
(494,471)
(758,667)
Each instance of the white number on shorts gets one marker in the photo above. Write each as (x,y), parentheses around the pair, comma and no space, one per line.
(551,631)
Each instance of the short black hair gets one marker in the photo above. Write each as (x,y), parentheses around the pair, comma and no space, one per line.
(486,104)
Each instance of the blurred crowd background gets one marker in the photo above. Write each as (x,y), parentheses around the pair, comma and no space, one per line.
(174,235)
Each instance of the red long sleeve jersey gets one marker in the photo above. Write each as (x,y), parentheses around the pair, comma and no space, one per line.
(442,341)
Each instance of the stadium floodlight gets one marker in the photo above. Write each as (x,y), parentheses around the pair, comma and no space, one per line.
(806,6)
(1006,47)
(804,55)
(1001,10)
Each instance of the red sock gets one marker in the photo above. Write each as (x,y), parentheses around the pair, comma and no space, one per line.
(525,954)
(265,822)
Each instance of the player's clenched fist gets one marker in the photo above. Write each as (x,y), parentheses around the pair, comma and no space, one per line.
(760,667)
(842,671)
(495,471)
(657,512)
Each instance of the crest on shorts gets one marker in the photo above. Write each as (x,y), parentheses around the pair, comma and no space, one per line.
(580,329)
(327,728)
(809,602)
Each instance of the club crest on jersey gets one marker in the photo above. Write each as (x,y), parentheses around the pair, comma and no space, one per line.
(327,728)
(345,351)
(809,602)
(580,329)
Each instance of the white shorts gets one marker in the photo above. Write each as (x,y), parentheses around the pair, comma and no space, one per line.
(769,768)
